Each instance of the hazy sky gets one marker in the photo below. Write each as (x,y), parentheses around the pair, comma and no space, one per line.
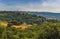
(31,5)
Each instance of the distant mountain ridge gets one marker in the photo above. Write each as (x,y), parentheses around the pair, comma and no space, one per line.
(47,14)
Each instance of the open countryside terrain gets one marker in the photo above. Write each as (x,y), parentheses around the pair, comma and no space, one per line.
(21,25)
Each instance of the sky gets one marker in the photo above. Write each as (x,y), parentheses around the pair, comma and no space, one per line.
(30,5)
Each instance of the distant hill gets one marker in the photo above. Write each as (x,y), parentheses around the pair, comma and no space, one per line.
(47,14)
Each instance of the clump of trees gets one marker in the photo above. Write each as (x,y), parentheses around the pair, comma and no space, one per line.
(21,17)
(53,20)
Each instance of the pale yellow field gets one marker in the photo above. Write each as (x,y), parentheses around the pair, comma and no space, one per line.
(4,24)
(22,26)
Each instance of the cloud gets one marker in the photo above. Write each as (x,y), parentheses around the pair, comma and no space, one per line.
(45,6)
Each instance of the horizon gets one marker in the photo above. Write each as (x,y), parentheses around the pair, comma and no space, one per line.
(30,5)
(30,11)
